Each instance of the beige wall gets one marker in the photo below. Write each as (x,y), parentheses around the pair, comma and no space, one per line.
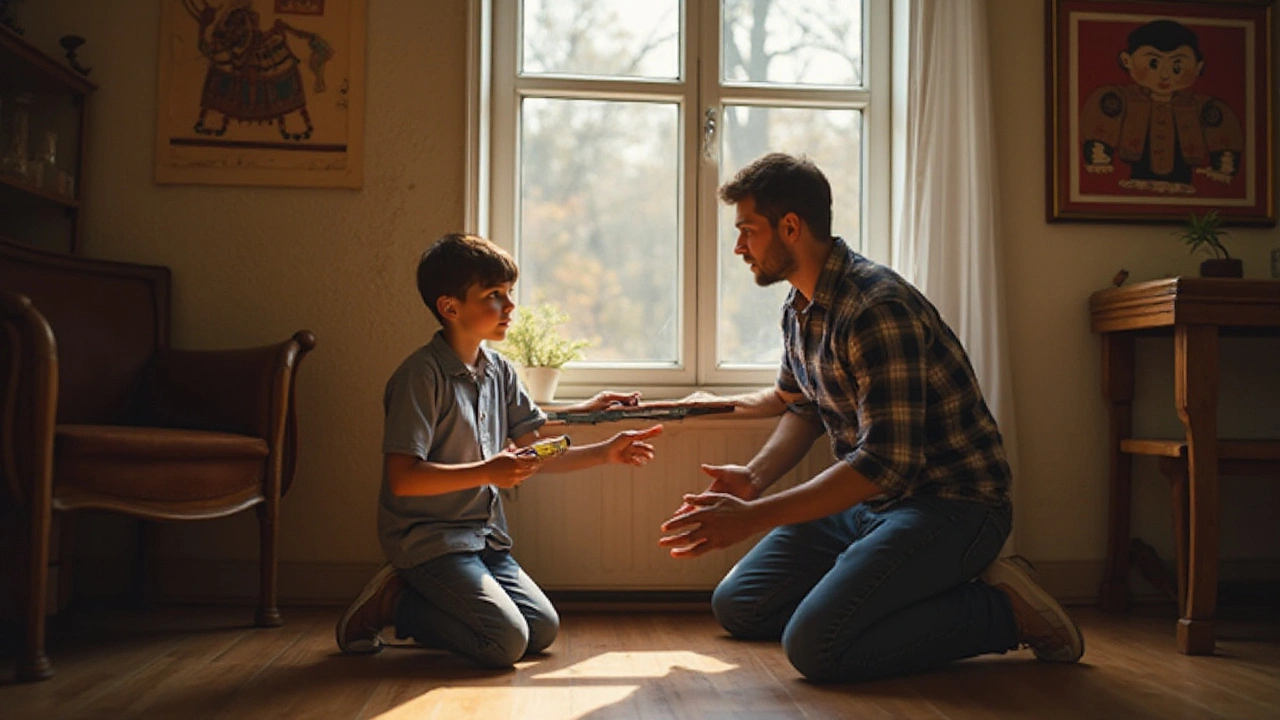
(253,265)
(1050,271)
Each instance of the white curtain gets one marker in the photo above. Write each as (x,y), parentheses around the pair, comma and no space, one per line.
(945,225)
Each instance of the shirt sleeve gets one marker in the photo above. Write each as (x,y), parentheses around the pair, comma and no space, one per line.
(887,361)
(523,414)
(410,405)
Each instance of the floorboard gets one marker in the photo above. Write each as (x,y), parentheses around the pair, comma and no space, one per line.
(193,663)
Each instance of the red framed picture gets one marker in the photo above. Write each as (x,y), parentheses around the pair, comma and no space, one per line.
(1160,108)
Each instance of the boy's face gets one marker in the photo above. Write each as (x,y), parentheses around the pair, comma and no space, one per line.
(484,314)
(1163,72)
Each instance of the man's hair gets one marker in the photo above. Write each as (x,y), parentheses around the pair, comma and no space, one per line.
(457,261)
(781,184)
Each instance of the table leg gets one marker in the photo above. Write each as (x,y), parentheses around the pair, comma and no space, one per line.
(1117,389)
(1196,391)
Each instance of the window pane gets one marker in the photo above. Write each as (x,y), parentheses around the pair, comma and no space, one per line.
(793,42)
(599,222)
(749,315)
(605,38)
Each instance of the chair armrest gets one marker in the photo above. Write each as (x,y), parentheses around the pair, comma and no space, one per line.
(28,400)
(249,391)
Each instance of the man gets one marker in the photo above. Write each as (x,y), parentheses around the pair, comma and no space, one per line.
(868,569)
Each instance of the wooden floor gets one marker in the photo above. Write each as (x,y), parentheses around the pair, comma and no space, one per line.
(193,663)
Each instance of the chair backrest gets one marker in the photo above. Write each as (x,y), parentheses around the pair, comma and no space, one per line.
(109,319)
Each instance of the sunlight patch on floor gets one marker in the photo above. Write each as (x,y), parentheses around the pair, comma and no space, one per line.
(583,688)
(522,703)
(628,665)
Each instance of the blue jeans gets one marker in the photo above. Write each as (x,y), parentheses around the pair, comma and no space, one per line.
(864,594)
(481,605)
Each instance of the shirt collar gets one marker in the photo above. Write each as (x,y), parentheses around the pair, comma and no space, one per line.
(833,269)
(451,363)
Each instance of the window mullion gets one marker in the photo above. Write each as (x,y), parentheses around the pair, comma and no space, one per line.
(705,170)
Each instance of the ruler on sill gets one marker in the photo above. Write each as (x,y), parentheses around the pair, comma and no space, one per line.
(643,411)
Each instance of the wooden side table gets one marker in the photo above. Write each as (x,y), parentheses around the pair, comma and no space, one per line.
(1196,311)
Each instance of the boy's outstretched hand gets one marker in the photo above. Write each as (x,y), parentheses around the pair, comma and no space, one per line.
(604,400)
(629,446)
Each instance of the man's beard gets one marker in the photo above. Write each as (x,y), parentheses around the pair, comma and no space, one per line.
(776,264)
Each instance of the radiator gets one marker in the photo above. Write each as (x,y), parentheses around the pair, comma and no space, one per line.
(598,529)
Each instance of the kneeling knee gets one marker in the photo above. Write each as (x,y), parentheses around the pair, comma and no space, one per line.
(503,649)
(809,653)
(734,614)
(542,632)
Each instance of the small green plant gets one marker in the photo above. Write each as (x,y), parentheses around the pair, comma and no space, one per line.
(535,340)
(1205,233)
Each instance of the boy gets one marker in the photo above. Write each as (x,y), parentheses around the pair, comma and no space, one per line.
(452,409)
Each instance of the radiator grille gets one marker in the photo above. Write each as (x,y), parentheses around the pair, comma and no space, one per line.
(597,529)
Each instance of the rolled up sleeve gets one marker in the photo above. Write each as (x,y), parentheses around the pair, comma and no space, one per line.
(888,366)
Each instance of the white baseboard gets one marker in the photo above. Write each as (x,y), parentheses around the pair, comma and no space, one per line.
(322,583)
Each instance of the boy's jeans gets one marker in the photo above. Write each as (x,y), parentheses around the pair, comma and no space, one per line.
(479,604)
(864,594)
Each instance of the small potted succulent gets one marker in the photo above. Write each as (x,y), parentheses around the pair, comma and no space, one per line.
(1205,233)
(536,344)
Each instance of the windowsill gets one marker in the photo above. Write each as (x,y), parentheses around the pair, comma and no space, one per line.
(741,418)
(588,431)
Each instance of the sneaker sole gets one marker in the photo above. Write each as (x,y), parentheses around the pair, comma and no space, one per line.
(1012,573)
(371,588)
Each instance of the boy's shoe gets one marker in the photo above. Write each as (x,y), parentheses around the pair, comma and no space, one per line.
(373,609)
(1042,623)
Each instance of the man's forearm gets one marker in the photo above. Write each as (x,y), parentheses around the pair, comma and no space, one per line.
(837,488)
(790,441)
(762,403)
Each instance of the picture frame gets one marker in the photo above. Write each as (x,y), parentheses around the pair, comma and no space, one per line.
(261,92)
(1160,108)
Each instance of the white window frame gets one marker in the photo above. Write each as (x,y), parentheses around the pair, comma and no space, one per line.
(492,173)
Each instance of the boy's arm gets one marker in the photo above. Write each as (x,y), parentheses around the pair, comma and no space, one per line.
(409,476)
(627,447)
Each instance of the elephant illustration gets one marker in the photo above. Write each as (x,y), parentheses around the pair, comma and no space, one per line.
(254,75)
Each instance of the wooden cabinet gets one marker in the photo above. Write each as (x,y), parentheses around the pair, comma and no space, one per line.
(44,108)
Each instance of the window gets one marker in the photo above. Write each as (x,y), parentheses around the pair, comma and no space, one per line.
(610,124)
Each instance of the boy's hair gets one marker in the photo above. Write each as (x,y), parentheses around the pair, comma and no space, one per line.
(781,184)
(1165,36)
(457,261)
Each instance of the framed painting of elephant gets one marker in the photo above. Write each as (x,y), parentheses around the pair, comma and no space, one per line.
(261,92)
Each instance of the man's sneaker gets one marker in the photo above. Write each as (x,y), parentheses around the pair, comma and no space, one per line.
(372,610)
(1042,623)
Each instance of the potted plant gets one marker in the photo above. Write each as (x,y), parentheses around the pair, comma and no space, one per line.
(536,344)
(1205,233)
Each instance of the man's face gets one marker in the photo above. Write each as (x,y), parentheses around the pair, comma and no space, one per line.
(759,245)
(486,312)
(1163,72)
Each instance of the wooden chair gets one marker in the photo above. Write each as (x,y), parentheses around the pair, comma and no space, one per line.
(97,412)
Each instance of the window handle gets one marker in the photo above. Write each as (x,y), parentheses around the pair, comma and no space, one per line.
(709,135)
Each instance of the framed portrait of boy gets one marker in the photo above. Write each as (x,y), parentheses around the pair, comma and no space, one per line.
(1160,108)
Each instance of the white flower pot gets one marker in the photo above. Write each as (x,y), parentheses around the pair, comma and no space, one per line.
(541,383)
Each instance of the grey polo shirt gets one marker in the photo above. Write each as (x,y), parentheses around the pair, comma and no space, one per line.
(436,410)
